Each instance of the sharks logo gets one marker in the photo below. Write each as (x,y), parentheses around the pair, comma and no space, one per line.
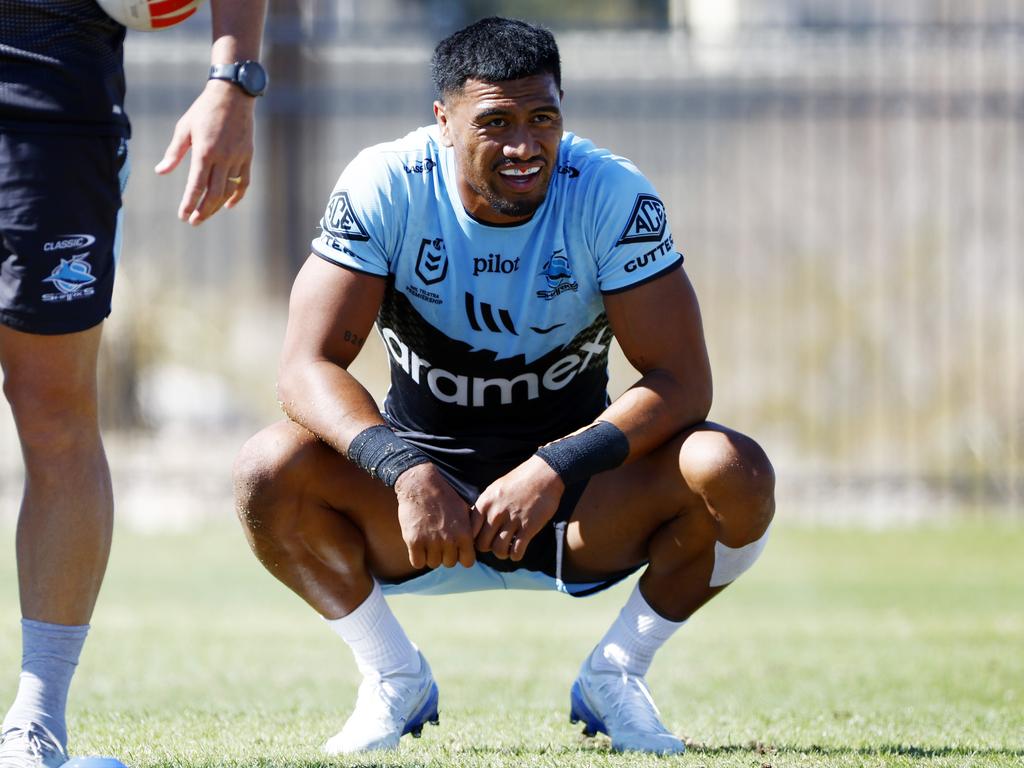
(72,277)
(558,274)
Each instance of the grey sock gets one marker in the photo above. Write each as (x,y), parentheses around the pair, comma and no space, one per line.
(49,655)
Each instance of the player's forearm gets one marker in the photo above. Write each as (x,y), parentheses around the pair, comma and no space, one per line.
(659,328)
(661,404)
(328,401)
(237,30)
(657,407)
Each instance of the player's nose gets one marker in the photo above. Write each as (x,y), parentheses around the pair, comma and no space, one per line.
(522,145)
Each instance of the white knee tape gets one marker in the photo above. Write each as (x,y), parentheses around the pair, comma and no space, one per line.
(730,562)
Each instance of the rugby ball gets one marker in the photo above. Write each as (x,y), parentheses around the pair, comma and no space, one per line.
(149,15)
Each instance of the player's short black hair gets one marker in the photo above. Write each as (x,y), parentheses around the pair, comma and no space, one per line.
(493,50)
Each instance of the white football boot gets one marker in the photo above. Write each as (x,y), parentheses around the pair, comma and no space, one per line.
(34,747)
(386,709)
(620,705)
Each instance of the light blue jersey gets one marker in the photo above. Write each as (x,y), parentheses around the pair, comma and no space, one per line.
(497,335)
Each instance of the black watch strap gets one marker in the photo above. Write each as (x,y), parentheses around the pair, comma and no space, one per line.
(224,72)
(247,75)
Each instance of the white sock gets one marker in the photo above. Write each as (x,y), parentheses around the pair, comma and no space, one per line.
(377,640)
(49,655)
(634,637)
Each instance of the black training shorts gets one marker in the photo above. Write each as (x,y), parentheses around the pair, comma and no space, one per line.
(60,229)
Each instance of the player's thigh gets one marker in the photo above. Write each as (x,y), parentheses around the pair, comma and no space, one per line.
(50,382)
(622,509)
(286,478)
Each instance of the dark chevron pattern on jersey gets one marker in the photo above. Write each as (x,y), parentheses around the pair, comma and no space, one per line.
(487,316)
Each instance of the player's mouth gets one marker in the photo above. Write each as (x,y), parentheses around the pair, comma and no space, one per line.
(522,178)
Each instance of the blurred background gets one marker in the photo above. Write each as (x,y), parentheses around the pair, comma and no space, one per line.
(844,177)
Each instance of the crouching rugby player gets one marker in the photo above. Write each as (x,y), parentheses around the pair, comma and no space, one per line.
(498,256)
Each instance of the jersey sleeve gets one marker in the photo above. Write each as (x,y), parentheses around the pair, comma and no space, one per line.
(356,231)
(632,239)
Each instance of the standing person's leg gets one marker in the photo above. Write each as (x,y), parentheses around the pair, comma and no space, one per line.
(697,512)
(60,202)
(64,527)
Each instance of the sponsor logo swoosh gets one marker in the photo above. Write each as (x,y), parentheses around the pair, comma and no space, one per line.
(535,329)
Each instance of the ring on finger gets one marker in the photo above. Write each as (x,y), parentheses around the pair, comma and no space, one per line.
(235,179)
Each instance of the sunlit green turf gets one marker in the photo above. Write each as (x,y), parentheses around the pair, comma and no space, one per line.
(841,648)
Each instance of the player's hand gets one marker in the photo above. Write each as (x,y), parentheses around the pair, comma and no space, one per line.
(218,127)
(435,520)
(516,506)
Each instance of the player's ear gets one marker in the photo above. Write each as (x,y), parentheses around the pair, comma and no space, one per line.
(441,115)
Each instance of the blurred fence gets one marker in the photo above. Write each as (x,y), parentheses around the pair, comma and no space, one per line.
(849,201)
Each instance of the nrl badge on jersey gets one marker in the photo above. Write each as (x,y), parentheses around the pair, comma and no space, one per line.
(432,261)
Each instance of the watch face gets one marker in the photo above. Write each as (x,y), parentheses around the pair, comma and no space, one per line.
(252,77)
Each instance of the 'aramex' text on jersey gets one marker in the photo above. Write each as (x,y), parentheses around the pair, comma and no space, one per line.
(460,389)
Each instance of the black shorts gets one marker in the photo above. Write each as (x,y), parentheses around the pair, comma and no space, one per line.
(60,229)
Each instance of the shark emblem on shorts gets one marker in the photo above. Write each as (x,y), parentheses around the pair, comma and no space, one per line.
(71,275)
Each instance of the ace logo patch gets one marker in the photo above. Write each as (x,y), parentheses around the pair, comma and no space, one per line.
(341,221)
(646,222)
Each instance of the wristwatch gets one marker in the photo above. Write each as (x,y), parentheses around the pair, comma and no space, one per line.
(248,75)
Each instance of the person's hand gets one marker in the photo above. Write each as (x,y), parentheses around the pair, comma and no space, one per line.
(218,127)
(435,520)
(516,506)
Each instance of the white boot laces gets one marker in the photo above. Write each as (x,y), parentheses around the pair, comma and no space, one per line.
(28,747)
(632,704)
(381,700)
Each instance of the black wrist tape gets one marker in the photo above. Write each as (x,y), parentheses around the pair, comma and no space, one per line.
(384,454)
(595,449)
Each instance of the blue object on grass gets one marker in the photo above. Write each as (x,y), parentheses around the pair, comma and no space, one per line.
(94,762)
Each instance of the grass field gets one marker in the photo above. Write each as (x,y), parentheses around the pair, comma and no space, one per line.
(842,648)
